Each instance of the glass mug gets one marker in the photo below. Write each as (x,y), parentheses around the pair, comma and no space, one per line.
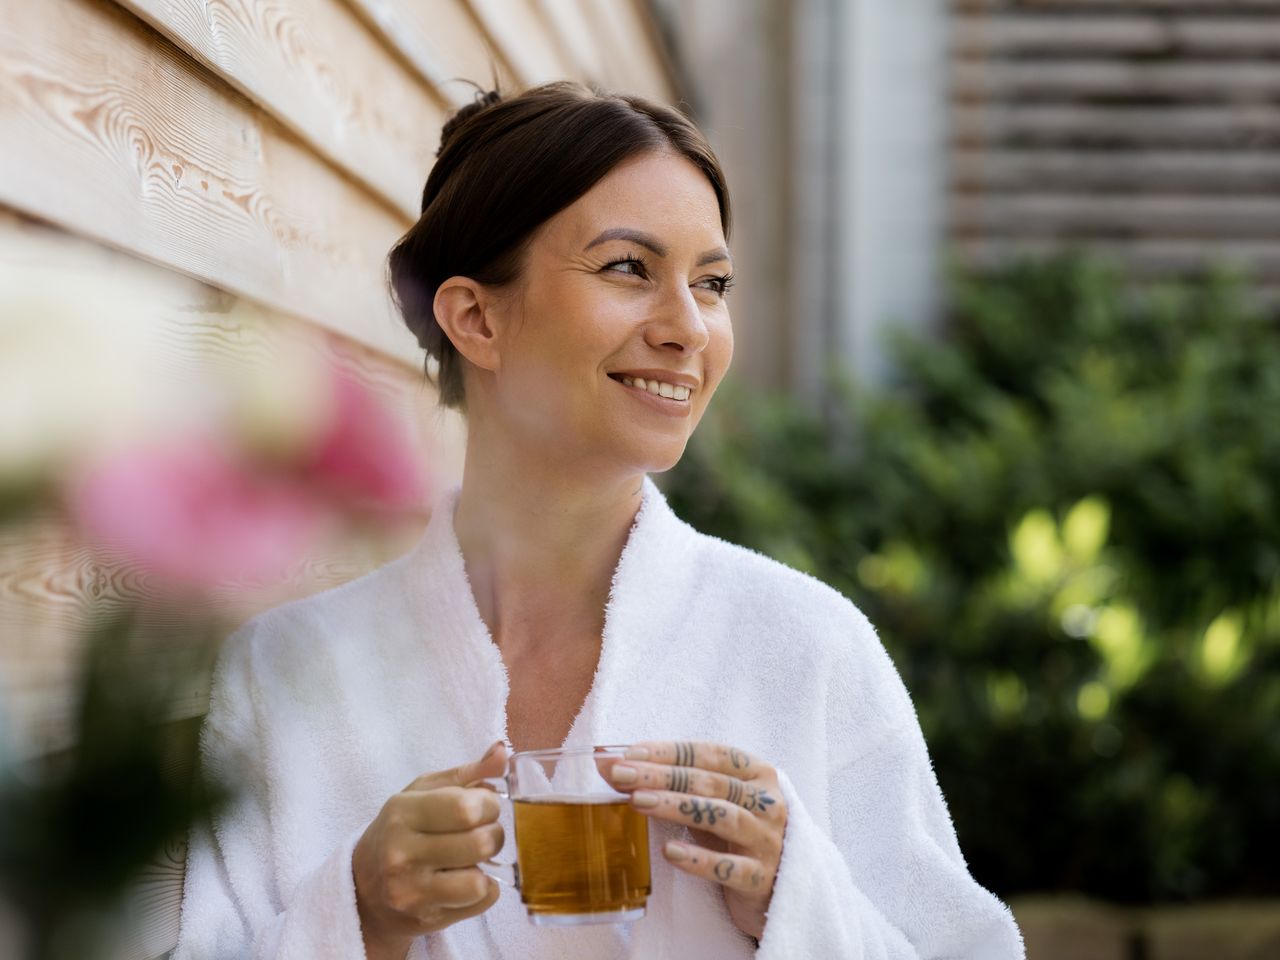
(582,851)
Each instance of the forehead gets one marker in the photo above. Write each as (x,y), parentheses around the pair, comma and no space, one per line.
(661,193)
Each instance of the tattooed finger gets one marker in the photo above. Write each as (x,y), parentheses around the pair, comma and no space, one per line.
(725,820)
(716,757)
(728,870)
(749,797)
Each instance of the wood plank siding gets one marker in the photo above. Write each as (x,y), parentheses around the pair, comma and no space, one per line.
(246,166)
(1146,129)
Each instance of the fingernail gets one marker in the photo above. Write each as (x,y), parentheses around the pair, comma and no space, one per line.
(623,774)
(644,798)
(637,753)
(675,851)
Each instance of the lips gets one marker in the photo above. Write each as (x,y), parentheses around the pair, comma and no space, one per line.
(666,405)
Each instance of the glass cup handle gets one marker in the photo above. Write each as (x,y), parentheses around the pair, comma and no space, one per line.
(502,871)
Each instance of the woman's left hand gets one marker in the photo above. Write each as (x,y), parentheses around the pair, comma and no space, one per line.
(731,802)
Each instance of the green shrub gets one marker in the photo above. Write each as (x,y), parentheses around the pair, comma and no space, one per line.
(1064,519)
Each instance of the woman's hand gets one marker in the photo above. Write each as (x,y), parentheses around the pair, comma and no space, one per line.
(415,866)
(731,802)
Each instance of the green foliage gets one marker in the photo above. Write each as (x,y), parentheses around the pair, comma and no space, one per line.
(1064,519)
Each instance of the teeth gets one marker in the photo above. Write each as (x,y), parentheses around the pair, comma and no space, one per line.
(658,388)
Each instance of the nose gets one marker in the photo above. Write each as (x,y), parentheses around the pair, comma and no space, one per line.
(678,323)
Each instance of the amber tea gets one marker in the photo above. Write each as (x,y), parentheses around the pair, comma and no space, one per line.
(581,855)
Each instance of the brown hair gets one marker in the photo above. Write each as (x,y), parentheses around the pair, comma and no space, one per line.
(507,165)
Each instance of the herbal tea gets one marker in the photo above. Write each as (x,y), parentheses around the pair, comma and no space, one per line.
(581,855)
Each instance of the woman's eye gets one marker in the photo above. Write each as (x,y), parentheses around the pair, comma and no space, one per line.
(720,285)
(631,265)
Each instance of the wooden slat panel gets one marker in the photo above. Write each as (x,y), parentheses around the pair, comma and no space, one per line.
(442,41)
(1015,125)
(1100,217)
(51,587)
(1206,172)
(1056,34)
(519,31)
(631,63)
(1146,258)
(571,29)
(1117,80)
(111,132)
(320,72)
(1108,7)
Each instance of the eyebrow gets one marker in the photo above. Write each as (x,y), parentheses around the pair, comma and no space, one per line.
(652,243)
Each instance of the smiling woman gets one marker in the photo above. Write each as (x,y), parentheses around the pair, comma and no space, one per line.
(569,275)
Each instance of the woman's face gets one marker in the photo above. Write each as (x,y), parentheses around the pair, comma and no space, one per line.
(626,282)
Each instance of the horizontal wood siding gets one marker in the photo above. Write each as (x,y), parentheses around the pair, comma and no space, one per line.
(1149,131)
(246,166)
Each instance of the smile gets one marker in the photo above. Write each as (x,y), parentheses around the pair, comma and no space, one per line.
(656,387)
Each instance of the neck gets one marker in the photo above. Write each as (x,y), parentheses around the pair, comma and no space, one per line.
(541,543)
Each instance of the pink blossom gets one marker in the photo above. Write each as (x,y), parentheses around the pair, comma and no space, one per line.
(364,454)
(194,514)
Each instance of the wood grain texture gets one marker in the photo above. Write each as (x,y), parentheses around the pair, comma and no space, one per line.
(52,587)
(113,134)
(442,41)
(317,69)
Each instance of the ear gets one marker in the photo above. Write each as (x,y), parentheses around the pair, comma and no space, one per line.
(466,312)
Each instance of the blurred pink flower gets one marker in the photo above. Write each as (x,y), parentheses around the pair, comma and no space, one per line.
(195,514)
(364,454)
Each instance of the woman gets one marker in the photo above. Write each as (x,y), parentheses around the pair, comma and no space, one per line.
(568,275)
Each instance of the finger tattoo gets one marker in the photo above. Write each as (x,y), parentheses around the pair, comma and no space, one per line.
(724,869)
(739,759)
(758,799)
(698,809)
(755,879)
(735,791)
(678,779)
(684,754)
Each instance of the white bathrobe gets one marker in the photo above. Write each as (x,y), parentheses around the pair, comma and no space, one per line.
(334,703)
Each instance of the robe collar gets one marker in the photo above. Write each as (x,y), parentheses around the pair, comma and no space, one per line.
(643,615)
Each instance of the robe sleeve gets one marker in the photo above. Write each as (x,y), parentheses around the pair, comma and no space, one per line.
(232,906)
(882,877)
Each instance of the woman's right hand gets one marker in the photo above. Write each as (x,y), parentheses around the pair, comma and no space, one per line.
(415,866)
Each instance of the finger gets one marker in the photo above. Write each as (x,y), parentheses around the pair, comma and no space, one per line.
(459,889)
(754,797)
(492,764)
(729,870)
(445,809)
(464,849)
(480,906)
(716,757)
(717,817)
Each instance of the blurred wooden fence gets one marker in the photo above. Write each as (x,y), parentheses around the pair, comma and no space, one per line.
(247,164)
(1146,129)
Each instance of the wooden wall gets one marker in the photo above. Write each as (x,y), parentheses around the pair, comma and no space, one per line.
(1149,129)
(247,165)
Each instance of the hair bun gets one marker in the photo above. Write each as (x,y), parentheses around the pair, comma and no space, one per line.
(483,100)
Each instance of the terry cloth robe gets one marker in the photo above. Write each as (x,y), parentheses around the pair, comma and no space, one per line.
(330,705)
